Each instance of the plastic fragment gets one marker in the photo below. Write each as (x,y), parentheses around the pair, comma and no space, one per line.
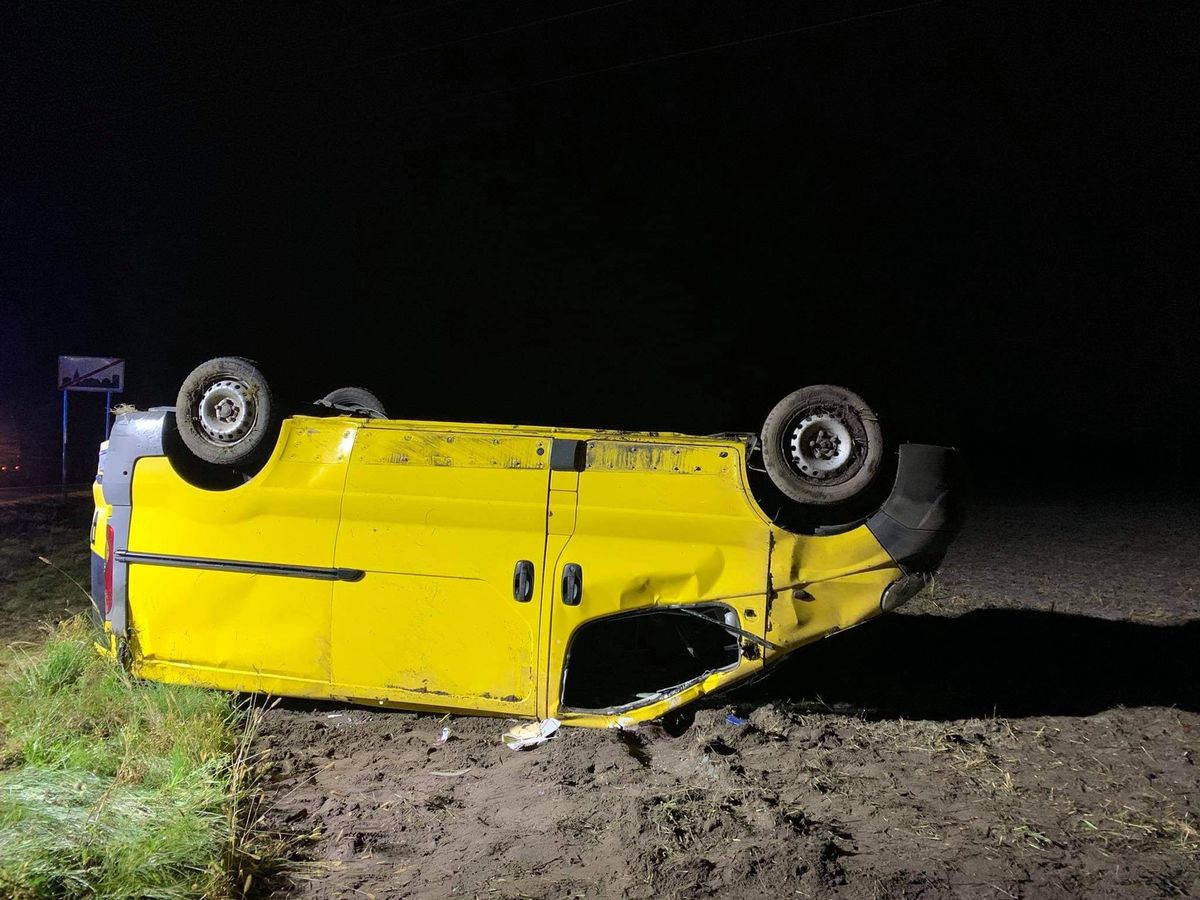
(736,720)
(530,734)
(444,736)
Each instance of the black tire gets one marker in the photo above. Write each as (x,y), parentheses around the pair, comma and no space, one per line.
(355,399)
(225,413)
(822,445)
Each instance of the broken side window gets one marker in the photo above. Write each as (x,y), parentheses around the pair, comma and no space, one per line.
(630,659)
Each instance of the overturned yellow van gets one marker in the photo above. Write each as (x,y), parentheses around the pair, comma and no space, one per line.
(602,578)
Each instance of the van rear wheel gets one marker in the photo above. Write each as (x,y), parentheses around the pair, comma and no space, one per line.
(822,445)
(225,413)
(355,400)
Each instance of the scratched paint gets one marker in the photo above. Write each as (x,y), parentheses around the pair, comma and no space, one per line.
(668,459)
(389,447)
(307,443)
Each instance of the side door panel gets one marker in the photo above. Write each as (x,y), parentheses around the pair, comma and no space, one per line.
(439,521)
(236,629)
(656,526)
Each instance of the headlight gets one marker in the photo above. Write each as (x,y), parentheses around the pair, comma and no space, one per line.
(902,590)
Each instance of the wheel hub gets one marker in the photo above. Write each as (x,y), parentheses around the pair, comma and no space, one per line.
(227,412)
(820,445)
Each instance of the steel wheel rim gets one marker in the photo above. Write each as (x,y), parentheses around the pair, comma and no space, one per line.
(227,412)
(820,446)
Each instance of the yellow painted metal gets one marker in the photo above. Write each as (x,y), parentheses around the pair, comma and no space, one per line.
(98,544)
(437,515)
(439,521)
(824,585)
(234,629)
(106,643)
(658,524)
(97,538)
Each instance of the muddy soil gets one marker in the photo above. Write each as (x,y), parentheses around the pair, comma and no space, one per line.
(1029,728)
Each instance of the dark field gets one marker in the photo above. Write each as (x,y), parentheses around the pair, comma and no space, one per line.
(1027,729)
(33,593)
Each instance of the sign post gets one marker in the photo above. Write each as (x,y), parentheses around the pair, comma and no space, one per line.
(64,447)
(98,374)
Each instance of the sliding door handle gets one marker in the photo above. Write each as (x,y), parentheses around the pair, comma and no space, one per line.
(523,581)
(572,584)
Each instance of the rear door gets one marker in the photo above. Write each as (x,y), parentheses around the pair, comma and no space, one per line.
(233,588)
(450,529)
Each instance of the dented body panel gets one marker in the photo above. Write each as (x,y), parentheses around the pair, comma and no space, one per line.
(459,567)
(659,525)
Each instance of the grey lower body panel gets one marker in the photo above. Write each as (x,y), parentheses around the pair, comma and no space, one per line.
(923,513)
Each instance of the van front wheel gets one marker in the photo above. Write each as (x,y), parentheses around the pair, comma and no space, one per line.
(225,413)
(822,445)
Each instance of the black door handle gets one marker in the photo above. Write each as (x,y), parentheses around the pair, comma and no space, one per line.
(572,584)
(523,581)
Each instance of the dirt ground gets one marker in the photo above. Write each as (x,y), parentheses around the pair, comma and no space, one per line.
(1027,729)
(32,592)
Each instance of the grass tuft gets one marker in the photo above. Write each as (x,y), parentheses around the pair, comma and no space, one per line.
(116,788)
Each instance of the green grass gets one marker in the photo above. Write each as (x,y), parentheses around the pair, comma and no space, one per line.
(116,788)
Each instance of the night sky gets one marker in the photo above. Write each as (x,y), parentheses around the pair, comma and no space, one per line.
(980,216)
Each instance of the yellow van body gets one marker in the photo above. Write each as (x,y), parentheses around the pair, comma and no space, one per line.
(379,561)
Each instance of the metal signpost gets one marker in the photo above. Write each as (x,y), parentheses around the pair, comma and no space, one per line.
(96,374)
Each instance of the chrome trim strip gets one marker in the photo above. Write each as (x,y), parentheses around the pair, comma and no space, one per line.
(232,565)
